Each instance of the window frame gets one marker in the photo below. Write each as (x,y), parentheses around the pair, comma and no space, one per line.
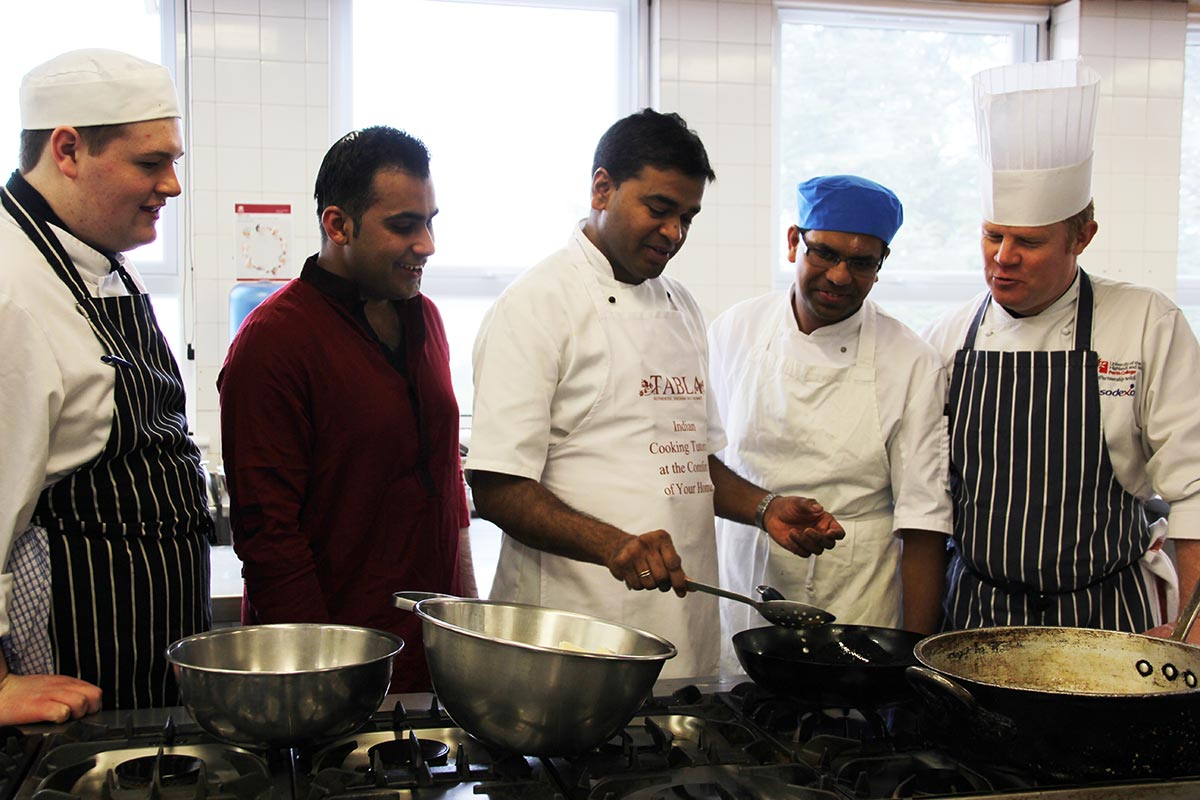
(1187,287)
(1028,27)
(162,277)
(455,281)
(166,279)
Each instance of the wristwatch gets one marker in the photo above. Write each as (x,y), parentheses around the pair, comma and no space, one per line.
(760,512)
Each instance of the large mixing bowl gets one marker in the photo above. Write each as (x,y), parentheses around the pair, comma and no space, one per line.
(533,680)
(284,685)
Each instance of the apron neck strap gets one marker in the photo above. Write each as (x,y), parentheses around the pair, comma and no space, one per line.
(866,330)
(39,232)
(976,321)
(866,338)
(1083,316)
(1083,313)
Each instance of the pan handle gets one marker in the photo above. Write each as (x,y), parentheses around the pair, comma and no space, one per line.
(952,700)
(941,692)
(407,601)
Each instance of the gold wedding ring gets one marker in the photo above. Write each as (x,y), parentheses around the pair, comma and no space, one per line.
(645,573)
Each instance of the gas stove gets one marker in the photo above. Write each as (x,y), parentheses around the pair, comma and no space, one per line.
(730,741)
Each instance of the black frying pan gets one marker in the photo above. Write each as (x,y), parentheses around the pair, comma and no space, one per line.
(833,665)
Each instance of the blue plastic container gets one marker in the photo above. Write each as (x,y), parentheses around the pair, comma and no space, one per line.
(245,297)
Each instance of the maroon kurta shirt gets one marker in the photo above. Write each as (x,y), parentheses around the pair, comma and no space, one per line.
(343,463)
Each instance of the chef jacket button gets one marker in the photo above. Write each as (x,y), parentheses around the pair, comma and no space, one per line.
(843,349)
(612,299)
(1066,331)
(989,333)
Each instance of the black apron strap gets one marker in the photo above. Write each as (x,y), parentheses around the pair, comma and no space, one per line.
(1044,533)
(1083,313)
(43,238)
(976,321)
(1083,317)
(127,533)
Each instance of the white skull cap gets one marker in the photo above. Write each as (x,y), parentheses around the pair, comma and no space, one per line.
(96,87)
(1037,127)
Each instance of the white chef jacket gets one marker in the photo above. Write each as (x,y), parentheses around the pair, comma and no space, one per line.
(910,389)
(542,364)
(544,328)
(51,377)
(894,477)
(1149,382)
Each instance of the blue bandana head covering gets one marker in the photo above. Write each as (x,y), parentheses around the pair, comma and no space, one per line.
(849,204)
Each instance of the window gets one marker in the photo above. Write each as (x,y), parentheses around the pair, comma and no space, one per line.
(510,120)
(1188,265)
(887,95)
(129,25)
(135,26)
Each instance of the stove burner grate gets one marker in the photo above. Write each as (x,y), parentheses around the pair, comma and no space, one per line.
(408,753)
(160,770)
(205,771)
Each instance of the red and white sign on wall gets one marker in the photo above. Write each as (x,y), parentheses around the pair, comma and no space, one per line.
(264,233)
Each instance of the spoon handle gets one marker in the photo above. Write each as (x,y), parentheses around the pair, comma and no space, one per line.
(696,586)
(1187,616)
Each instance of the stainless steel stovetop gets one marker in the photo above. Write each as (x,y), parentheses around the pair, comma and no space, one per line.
(693,740)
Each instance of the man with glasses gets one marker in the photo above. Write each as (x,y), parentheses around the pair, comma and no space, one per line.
(1072,397)
(822,394)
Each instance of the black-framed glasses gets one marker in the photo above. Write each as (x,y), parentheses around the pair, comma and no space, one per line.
(827,258)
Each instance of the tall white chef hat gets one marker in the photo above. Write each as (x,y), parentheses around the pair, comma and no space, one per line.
(1036,125)
(96,87)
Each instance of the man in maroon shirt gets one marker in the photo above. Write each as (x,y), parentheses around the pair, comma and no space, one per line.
(339,425)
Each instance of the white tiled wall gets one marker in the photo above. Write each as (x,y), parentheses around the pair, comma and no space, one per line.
(1138,48)
(259,117)
(714,67)
(260,125)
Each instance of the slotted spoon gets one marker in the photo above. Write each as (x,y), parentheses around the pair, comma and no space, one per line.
(785,613)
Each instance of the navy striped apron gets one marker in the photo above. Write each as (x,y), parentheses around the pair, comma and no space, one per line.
(1044,534)
(128,532)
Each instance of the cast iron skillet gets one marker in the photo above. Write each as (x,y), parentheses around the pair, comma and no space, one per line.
(833,665)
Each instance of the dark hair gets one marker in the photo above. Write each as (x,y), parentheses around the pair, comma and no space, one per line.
(1077,222)
(96,137)
(648,137)
(347,175)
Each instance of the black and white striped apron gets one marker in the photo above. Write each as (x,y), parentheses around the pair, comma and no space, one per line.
(1044,534)
(128,532)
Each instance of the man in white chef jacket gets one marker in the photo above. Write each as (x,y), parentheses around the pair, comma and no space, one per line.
(1072,397)
(824,394)
(593,430)
(104,523)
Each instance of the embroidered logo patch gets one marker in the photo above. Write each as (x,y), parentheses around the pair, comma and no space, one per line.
(1118,378)
(1118,370)
(672,386)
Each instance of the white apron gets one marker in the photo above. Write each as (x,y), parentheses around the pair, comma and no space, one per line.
(638,461)
(813,431)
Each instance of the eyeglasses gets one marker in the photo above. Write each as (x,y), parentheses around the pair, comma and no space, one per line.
(827,258)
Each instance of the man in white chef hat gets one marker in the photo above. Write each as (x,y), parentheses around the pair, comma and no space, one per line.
(825,395)
(103,520)
(1072,398)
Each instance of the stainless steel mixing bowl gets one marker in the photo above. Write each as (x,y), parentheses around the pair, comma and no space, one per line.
(533,680)
(284,685)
